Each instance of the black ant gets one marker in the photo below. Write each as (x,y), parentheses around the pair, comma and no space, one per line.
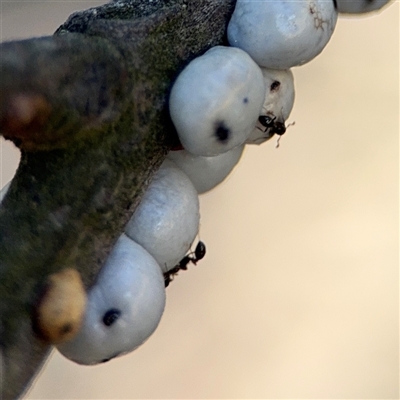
(194,257)
(277,128)
(274,127)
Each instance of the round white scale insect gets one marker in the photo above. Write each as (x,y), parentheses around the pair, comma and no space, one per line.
(167,219)
(359,6)
(278,103)
(282,34)
(206,172)
(216,100)
(124,306)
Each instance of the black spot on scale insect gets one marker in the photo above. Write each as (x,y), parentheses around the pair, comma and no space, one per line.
(275,85)
(111,316)
(222,132)
(193,257)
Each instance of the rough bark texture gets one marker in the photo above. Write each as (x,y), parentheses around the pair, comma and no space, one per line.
(88,108)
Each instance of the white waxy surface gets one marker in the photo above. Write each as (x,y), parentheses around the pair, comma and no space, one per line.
(167,219)
(359,6)
(282,34)
(278,103)
(206,172)
(216,100)
(131,283)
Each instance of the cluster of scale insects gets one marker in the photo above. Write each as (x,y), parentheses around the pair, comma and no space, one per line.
(120,327)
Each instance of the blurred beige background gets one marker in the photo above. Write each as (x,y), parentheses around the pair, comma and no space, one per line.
(298,296)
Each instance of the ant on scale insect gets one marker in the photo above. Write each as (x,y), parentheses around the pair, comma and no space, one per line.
(193,257)
(273,127)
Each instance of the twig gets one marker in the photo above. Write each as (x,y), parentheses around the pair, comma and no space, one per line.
(88,109)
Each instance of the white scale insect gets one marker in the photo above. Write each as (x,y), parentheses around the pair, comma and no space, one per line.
(282,34)
(124,306)
(216,101)
(278,103)
(206,172)
(167,220)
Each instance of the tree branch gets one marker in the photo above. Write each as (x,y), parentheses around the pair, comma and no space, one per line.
(88,109)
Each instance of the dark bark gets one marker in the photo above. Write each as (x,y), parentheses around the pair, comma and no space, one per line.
(88,108)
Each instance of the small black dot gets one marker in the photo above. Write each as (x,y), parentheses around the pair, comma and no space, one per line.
(106,359)
(222,132)
(245,100)
(111,316)
(275,86)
